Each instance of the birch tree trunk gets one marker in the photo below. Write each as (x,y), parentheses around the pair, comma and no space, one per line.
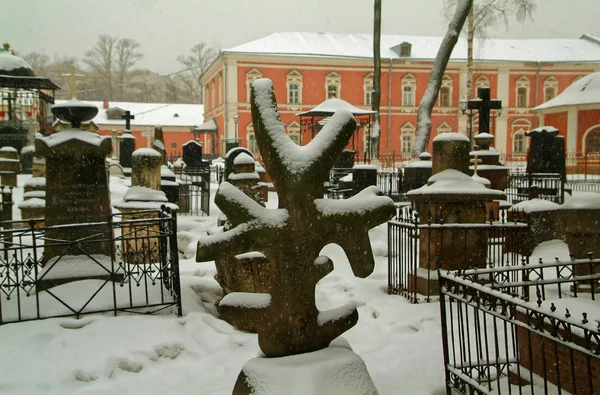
(376,96)
(437,72)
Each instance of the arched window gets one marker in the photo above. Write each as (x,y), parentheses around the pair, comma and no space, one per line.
(445,96)
(522,92)
(481,82)
(333,83)
(252,146)
(519,140)
(294,87)
(408,90)
(550,88)
(407,138)
(293,130)
(592,141)
(444,128)
(251,76)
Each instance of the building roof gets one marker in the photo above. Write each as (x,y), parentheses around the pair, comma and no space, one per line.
(330,106)
(584,49)
(151,114)
(583,91)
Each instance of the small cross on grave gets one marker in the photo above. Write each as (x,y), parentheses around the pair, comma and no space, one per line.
(484,104)
(127,117)
(72,79)
(148,134)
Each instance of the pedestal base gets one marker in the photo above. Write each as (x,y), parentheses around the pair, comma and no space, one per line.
(331,371)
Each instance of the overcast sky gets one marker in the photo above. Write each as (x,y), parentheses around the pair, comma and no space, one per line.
(168,28)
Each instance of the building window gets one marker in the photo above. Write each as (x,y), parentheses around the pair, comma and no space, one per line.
(368,89)
(444,128)
(550,88)
(333,83)
(407,136)
(294,87)
(251,76)
(444,99)
(408,90)
(522,92)
(293,94)
(173,145)
(293,131)
(481,82)
(252,146)
(519,142)
(592,142)
(445,95)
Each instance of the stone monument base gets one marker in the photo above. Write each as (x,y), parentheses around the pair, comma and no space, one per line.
(425,282)
(335,370)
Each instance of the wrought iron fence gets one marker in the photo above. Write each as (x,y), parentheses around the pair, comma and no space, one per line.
(194,191)
(390,184)
(549,186)
(521,329)
(416,250)
(576,185)
(127,264)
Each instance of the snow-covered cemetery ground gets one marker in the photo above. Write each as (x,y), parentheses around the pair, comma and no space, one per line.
(199,353)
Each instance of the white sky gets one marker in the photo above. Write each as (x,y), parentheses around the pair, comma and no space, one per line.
(168,28)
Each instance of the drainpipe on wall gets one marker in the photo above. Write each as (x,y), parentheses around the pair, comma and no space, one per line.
(537,94)
(389,123)
(225,123)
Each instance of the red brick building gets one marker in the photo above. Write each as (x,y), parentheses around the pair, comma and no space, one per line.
(308,68)
(178,121)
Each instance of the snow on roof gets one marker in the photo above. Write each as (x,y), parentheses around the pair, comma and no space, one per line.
(534,205)
(582,200)
(453,182)
(330,106)
(423,47)
(583,91)
(150,114)
(10,62)
(451,136)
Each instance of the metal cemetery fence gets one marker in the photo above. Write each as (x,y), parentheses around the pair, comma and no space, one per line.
(549,186)
(194,191)
(413,247)
(129,264)
(522,329)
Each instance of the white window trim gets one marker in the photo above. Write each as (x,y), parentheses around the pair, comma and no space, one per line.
(294,77)
(293,129)
(251,76)
(482,82)
(446,83)
(251,136)
(410,81)
(407,129)
(368,89)
(333,78)
(444,127)
(550,82)
(522,82)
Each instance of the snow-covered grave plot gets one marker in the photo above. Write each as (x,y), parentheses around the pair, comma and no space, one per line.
(198,353)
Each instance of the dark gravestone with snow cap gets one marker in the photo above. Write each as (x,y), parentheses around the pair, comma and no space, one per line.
(546,151)
(291,237)
(192,155)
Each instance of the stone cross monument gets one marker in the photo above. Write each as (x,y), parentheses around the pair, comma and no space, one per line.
(72,79)
(484,104)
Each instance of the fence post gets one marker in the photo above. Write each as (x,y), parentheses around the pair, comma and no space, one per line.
(444,330)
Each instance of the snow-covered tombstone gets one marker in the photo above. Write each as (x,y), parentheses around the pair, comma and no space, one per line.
(291,237)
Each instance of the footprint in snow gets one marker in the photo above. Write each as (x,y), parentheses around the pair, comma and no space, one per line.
(75,323)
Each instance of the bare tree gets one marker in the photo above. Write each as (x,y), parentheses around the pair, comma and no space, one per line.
(38,62)
(127,56)
(437,72)
(101,59)
(197,61)
(376,99)
(485,14)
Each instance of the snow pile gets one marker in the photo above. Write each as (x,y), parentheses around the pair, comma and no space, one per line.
(582,200)
(331,371)
(76,266)
(144,194)
(453,182)
(73,134)
(451,137)
(246,300)
(243,159)
(9,62)
(534,205)
(146,152)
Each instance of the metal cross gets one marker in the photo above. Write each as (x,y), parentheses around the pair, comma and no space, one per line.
(483,104)
(127,117)
(72,79)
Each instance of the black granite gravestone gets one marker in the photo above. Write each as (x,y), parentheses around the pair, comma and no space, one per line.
(230,157)
(363,176)
(346,160)
(192,155)
(12,136)
(126,148)
(546,151)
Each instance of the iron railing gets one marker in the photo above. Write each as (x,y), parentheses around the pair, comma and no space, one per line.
(127,264)
(550,186)
(194,191)
(416,250)
(521,329)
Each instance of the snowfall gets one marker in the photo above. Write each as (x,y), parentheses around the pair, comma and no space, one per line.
(199,353)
